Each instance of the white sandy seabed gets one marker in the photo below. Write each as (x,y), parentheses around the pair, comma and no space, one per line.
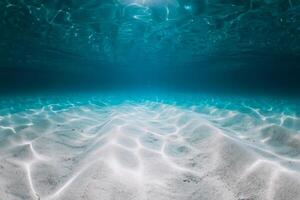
(148,150)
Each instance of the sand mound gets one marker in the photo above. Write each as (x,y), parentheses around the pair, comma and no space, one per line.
(146,151)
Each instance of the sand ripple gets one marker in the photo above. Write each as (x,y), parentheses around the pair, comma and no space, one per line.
(148,150)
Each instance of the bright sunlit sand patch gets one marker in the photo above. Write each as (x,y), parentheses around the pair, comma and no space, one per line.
(148,150)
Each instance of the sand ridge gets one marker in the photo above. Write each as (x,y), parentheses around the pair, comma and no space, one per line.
(148,150)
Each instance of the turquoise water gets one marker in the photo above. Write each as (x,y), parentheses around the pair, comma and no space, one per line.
(249,46)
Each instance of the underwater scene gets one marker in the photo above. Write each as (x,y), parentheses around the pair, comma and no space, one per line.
(149,99)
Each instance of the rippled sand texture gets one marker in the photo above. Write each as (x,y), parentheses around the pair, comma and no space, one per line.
(148,150)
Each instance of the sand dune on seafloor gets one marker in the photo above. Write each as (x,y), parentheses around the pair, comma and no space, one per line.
(146,151)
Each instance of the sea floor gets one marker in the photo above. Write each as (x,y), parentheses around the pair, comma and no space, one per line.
(180,147)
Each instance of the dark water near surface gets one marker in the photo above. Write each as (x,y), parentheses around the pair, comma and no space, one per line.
(220,45)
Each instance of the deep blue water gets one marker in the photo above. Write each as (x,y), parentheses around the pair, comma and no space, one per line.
(220,45)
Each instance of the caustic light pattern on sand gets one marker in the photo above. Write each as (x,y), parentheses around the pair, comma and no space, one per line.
(148,150)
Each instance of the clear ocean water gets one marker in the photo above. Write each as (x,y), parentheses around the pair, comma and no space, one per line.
(149,99)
